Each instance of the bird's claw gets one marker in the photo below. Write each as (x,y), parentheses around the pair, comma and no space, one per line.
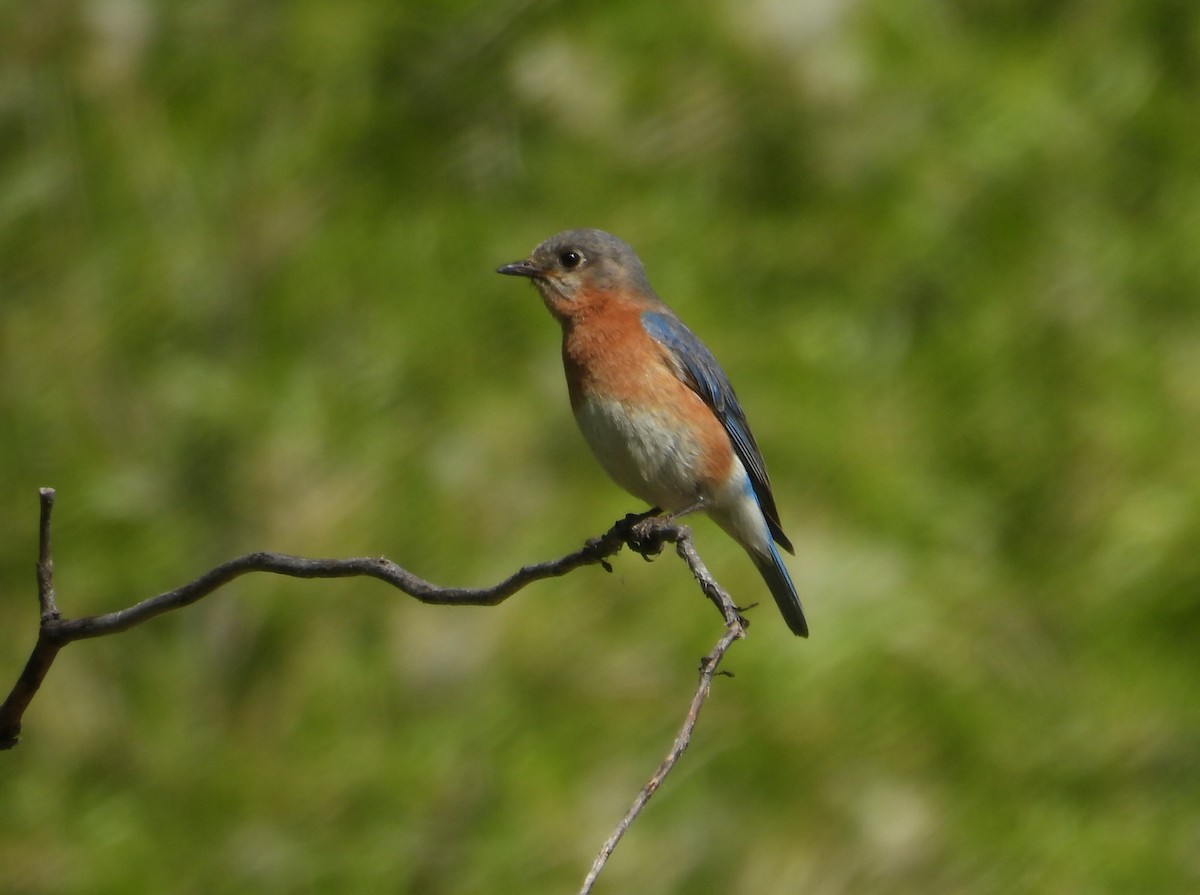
(646,540)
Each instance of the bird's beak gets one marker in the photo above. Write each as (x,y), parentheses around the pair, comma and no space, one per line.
(524,268)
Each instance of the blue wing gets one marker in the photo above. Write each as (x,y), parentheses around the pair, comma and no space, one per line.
(695,366)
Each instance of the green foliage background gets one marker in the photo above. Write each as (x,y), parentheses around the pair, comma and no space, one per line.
(947,251)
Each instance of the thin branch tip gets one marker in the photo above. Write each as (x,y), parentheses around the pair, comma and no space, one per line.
(45,561)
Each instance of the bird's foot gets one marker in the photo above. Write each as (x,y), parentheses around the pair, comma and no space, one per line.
(644,532)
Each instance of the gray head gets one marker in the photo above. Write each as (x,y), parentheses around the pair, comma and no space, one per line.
(572,266)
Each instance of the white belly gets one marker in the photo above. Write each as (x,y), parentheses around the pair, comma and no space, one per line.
(656,461)
(643,453)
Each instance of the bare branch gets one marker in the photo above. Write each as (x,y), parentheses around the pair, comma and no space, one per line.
(735,630)
(643,533)
(45,564)
(44,653)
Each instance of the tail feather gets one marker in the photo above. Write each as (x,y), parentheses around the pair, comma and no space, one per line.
(779,582)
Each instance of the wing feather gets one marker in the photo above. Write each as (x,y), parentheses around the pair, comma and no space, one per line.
(696,367)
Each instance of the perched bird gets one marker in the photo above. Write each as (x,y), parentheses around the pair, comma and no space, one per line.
(652,402)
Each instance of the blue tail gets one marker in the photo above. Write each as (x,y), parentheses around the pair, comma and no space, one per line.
(776,575)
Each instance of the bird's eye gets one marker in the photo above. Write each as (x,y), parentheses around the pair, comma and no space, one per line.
(570,260)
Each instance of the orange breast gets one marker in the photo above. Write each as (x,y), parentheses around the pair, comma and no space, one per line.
(652,433)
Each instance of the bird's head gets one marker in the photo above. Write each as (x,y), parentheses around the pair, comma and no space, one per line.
(575,268)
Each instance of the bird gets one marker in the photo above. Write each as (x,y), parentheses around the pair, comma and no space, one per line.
(652,402)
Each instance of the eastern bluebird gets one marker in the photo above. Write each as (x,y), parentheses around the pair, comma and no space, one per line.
(652,402)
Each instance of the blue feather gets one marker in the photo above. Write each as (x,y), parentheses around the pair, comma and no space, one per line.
(779,582)
(699,370)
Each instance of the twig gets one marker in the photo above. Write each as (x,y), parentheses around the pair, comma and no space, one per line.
(45,564)
(708,669)
(643,533)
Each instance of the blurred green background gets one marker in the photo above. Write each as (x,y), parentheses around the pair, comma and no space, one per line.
(948,252)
